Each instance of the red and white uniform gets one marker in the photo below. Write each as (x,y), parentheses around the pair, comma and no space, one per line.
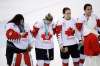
(66,34)
(90,26)
(82,20)
(21,42)
(42,40)
(14,32)
(67,31)
(84,26)
(43,35)
(90,41)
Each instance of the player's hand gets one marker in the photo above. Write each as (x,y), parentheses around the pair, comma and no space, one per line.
(63,49)
(29,48)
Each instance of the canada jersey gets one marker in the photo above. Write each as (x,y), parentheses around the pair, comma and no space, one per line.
(23,42)
(68,33)
(44,37)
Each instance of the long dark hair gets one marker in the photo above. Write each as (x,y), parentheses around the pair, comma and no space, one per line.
(19,21)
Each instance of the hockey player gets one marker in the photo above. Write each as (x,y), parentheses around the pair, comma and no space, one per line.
(18,41)
(44,46)
(82,20)
(91,43)
(66,34)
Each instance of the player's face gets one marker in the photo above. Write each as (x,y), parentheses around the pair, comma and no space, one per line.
(88,11)
(67,14)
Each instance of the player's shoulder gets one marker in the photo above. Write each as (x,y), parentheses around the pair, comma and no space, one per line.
(73,19)
(38,23)
(81,17)
(10,24)
(60,21)
(95,15)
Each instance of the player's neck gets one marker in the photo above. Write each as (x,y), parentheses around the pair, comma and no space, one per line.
(87,16)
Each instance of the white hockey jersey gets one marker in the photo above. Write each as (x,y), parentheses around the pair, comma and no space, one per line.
(23,42)
(68,32)
(43,34)
(87,24)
